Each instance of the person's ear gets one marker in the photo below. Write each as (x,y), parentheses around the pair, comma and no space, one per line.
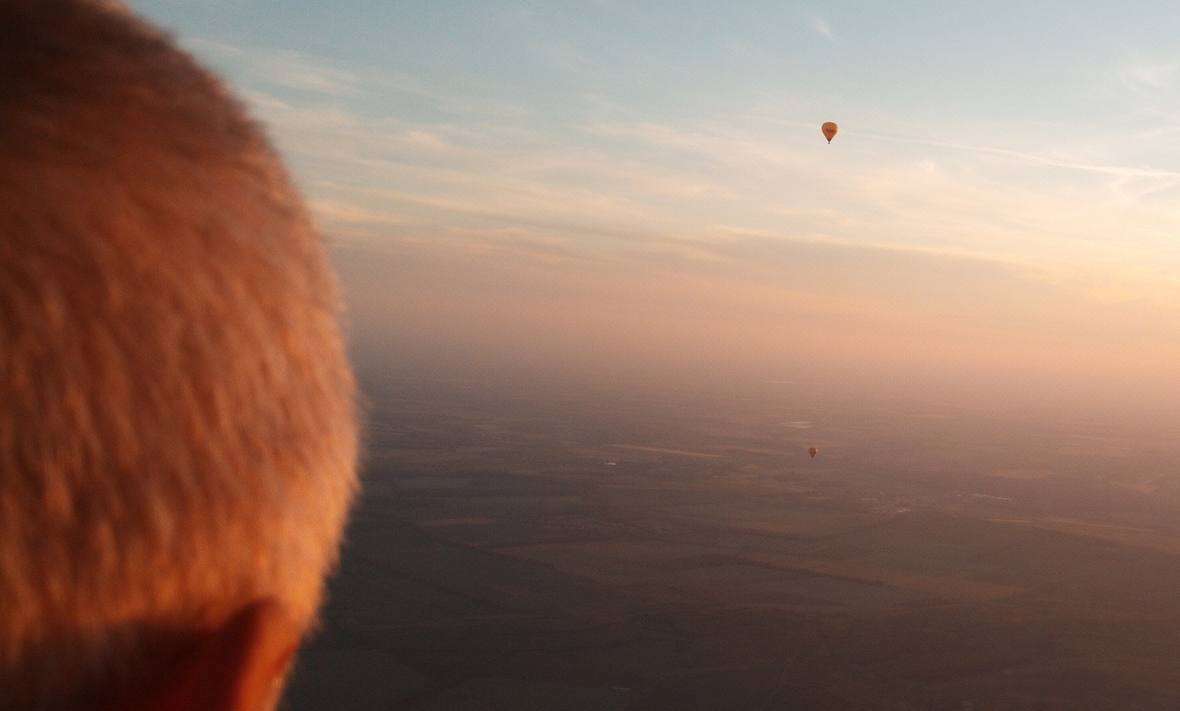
(240,666)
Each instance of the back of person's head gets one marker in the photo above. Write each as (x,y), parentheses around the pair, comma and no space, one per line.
(177,431)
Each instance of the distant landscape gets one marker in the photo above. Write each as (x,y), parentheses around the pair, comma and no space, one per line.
(540,545)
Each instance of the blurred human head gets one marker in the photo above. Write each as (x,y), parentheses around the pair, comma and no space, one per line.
(177,429)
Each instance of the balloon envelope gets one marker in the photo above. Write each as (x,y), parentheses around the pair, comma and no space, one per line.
(830,130)
(812,452)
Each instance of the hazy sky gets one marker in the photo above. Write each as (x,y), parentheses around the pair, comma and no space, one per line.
(628,182)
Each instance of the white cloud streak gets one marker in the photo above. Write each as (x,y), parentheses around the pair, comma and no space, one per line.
(820,27)
(280,67)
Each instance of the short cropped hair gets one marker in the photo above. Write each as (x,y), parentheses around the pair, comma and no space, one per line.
(177,423)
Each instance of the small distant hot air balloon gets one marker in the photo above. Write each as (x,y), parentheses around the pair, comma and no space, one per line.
(812,451)
(830,129)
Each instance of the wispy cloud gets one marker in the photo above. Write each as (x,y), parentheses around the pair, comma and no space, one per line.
(687,186)
(1036,159)
(262,72)
(1144,74)
(279,67)
(334,212)
(820,26)
(1049,159)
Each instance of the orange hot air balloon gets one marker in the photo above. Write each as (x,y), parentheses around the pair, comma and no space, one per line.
(811,452)
(830,130)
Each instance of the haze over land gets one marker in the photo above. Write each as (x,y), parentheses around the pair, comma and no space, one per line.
(528,543)
(607,283)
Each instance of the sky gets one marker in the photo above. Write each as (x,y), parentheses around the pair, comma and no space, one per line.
(638,188)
